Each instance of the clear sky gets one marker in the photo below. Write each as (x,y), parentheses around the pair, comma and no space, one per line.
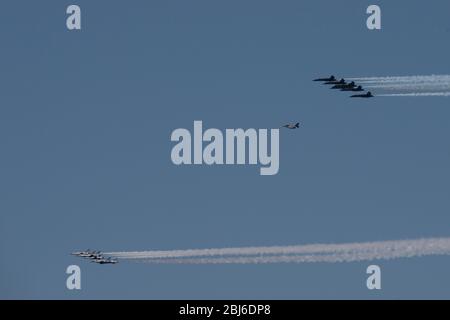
(85,124)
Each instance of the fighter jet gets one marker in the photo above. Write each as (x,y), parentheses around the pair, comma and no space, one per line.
(89,254)
(292,126)
(366,95)
(85,254)
(345,85)
(342,81)
(331,78)
(80,253)
(358,88)
(105,261)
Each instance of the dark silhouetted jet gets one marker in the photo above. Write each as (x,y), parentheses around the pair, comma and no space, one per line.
(366,95)
(358,88)
(342,81)
(292,126)
(331,78)
(345,85)
(105,261)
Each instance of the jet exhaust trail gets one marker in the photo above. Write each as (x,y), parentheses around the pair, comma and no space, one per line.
(404,79)
(331,253)
(415,86)
(407,86)
(416,94)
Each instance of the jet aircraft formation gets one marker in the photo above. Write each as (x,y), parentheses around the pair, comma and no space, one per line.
(94,256)
(342,85)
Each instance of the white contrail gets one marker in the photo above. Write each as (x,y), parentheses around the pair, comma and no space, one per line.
(295,249)
(429,87)
(330,258)
(407,86)
(416,94)
(346,252)
(404,79)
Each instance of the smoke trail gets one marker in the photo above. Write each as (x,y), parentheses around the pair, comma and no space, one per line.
(416,94)
(430,87)
(314,258)
(299,249)
(404,79)
(346,252)
(407,86)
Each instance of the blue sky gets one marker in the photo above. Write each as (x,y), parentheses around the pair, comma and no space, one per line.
(85,124)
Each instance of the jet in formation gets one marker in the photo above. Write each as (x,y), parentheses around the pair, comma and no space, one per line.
(331,78)
(365,95)
(104,261)
(358,88)
(87,254)
(94,256)
(344,86)
(342,81)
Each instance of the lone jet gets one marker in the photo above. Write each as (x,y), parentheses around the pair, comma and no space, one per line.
(331,78)
(342,81)
(366,95)
(105,261)
(292,126)
(358,88)
(345,85)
